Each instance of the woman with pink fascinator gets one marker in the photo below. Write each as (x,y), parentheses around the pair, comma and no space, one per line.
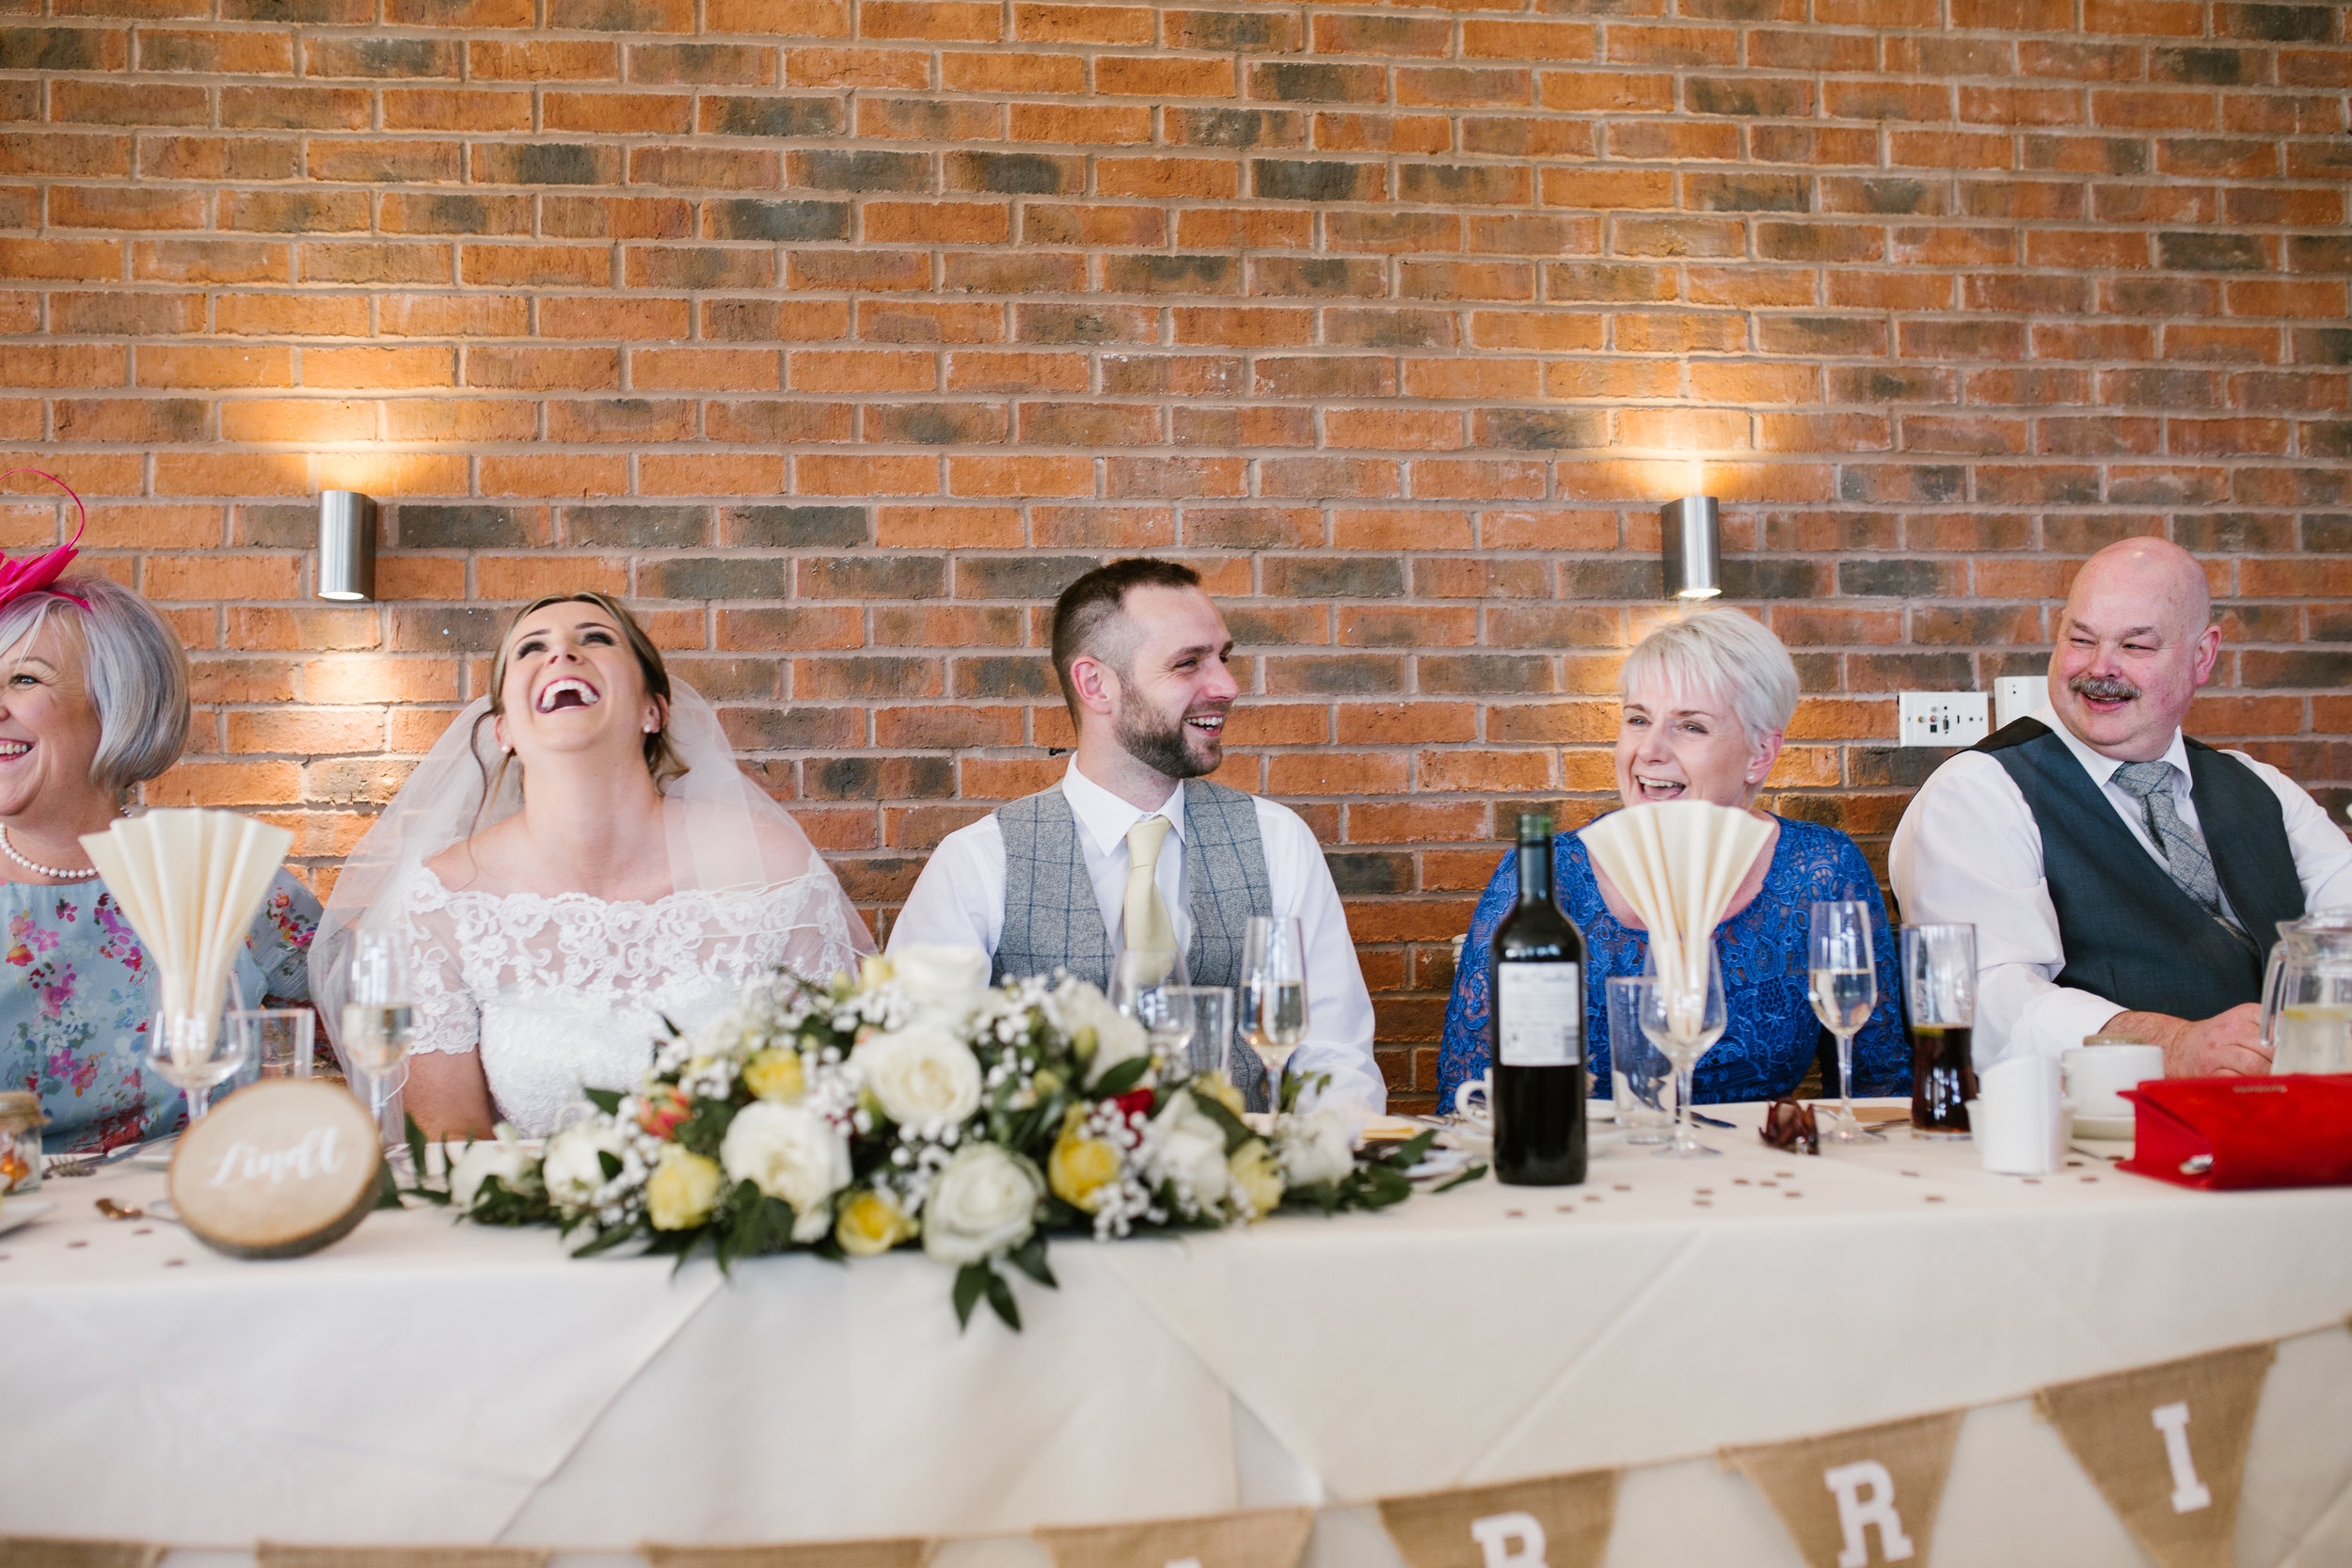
(93,702)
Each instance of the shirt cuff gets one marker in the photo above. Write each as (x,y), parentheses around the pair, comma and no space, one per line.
(2057,1020)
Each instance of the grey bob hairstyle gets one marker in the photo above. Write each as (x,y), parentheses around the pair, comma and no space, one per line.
(1725,655)
(134,666)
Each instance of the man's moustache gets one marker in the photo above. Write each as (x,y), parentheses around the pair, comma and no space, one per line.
(2100,691)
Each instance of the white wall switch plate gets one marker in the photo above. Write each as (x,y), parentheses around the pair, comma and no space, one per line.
(2016,696)
(1942,717)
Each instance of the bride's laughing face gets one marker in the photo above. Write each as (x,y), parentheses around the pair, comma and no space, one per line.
(573,687)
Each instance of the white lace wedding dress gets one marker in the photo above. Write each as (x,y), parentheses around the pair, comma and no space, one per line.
(565,991)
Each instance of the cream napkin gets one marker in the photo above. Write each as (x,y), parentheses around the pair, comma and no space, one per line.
(1677,862)
(190,882)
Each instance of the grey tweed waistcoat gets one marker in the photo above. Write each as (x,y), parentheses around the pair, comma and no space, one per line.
(1053,921)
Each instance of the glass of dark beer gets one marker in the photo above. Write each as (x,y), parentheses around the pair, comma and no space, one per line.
(1940,1005)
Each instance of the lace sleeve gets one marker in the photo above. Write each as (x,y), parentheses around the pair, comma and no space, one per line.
(448,1019)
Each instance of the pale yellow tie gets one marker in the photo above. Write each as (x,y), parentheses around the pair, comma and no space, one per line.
(1149,928)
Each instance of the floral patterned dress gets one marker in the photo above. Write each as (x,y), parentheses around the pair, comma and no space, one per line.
(1772,1033)
(73,1030)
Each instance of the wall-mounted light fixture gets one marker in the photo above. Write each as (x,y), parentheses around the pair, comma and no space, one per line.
(346,546)
(1688,533)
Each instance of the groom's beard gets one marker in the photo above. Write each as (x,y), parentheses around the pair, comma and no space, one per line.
(1164,745)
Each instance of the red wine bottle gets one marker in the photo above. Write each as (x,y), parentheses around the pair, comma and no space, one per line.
(1537,974)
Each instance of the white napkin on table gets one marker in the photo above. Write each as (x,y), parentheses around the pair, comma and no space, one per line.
(190,882)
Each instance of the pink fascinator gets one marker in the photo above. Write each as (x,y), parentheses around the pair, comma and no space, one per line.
(38,571)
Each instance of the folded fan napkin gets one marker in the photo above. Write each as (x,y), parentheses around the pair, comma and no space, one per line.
(190,882)
(1677,862)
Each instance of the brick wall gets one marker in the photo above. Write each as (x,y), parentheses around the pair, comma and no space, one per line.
(838,334)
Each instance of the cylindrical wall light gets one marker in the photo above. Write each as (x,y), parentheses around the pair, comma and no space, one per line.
(346,545)
(1687,530)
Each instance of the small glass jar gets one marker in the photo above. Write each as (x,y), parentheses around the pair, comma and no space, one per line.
(21,1121)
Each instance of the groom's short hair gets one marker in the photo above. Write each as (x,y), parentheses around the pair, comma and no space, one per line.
(1089,608)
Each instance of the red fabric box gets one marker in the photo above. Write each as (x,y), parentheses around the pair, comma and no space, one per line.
(2231,1132)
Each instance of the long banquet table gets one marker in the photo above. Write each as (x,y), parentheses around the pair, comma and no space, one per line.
(429,1383)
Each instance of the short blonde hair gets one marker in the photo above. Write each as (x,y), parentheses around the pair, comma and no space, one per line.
(132,665)
(1724,653)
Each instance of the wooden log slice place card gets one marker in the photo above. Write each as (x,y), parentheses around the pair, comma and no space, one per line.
(278,1169)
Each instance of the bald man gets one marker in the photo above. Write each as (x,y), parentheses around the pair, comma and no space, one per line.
(2123,879)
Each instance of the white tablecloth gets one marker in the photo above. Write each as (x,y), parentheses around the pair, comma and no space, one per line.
(427,1382)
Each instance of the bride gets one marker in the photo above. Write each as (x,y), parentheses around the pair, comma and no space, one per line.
(576,861)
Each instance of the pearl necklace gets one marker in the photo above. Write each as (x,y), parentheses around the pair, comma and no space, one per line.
(10,849)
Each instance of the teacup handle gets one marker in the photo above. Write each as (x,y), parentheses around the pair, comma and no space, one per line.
(1482,1086)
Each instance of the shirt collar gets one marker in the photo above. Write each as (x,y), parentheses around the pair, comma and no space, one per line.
(1106,819)
(2102,768)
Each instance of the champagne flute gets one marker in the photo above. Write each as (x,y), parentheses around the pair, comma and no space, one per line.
(1274,994)
(377,1016)
(1684,1021)
(1842,976)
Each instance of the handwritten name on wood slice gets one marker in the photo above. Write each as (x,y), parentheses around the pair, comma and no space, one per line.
(281,1168)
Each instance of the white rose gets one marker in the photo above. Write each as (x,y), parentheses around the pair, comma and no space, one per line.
(1077,1006)
(503,1157)
(983,1203)
(1188,1149)
(944,982)
(922,1074)
(1318,1146)
(573,1171)
(789,1152)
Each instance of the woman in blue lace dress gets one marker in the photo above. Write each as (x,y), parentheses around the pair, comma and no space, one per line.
(1706,703)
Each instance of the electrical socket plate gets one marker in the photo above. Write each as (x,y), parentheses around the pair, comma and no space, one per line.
(2016,696)
(1942,717)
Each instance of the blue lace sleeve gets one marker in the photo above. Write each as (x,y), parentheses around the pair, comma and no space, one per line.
(1462,1050)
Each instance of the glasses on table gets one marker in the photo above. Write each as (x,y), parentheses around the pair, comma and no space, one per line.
(1638,1070)
(1843,981)
(1211,1047)
(378,1019)
(1684,1021)
(1940,1005)
(279,1041)
(193,1053)
(1274,993)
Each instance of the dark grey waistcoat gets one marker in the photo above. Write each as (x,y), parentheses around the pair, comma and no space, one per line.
(1051,921)
(2131,934)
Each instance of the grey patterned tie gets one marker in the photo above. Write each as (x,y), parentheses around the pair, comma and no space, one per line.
(2185,853)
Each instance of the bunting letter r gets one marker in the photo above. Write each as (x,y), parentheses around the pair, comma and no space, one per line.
(1857,1510)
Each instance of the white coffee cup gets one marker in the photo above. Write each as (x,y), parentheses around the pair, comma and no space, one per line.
(1482,1086)
(2096,1075)
(2019,1123)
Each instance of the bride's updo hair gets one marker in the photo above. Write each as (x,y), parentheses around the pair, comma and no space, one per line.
(662,759)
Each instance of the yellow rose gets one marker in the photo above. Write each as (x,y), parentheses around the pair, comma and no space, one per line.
(872,1223)
(682,1191)
(1081,1170)
(1256,1176)
(774,1075)
(1219,1088)
(873,970)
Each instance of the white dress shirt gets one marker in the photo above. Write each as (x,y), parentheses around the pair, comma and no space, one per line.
(960,900)
(1968,849)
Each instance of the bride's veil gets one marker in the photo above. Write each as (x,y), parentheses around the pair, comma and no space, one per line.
(725,834)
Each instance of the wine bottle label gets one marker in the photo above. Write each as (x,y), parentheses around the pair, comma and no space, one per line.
(1539,1014)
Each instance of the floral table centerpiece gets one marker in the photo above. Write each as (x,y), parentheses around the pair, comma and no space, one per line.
(915,1103)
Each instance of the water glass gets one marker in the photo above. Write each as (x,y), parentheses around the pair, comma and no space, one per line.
(1684,1024)
(277,1040)
(1212,1043)
(1639,1073)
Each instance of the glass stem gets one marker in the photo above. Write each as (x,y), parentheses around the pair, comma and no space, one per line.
(1845,1077)
(195,1097)
(1686,1137)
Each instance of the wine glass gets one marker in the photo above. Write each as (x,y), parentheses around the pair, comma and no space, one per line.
(1843,978)
(193,1053)
(1274,994)
(1683,1022)
(377,1016)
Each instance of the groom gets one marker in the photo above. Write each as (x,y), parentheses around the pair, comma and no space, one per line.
(1134,846)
